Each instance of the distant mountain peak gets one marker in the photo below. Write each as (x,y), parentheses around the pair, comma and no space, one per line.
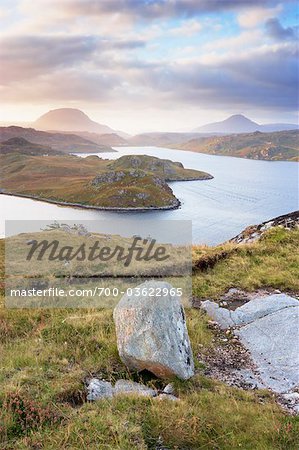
(239,117)
(238,123)
(70,111)
(69,119)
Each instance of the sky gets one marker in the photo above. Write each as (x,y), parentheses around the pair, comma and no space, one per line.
(150,65)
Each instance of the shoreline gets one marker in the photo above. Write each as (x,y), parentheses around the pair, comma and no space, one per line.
(97,208)
(168,147)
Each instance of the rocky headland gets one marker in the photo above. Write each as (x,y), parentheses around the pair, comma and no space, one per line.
(126,184)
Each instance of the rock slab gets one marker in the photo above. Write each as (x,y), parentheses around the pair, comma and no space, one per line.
(269,328)
(152,334)
(273,344)
(250,311)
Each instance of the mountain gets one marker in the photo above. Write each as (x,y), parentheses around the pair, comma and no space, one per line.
(276,146)
(57,141)
(21,145)
(241,124)
(103,139)
(70,119)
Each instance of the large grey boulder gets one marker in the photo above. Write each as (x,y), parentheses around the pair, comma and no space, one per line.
(152,333)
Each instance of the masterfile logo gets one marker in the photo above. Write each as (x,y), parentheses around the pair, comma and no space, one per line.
(70,265)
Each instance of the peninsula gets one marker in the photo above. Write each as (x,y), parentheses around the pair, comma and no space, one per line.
(129,183)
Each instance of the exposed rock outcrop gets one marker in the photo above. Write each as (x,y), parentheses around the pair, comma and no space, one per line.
(269,328)
(255,232)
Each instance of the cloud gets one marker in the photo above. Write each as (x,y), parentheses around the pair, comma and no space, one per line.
(142,63)
(147,10)
(187,28)
(26,57)
(255,16)
(276,31)
(90,69)
(254,79)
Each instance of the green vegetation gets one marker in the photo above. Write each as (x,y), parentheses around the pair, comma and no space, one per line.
(276,146)
(271,262)
(47,354)
(130,182)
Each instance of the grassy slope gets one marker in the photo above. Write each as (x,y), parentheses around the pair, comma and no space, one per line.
(45,355)
(276,146)
(26,147)
(68,178)
(272,262)
(63,142)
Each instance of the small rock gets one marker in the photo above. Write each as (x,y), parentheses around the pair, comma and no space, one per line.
(291,397)
(213,323)
(221,316)
(130,387)
(169,389)
(167,397)
(98,389)
(296,409)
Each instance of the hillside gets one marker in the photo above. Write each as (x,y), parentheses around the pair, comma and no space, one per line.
(108,139)
(70,119)
(277,146)
(47,355)
(241,124)
(21,145)
(57,141)
(93,182)
(162,139)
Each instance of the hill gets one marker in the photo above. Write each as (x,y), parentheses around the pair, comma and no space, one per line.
(108,139)
(164,168)
(70,119)
(93,182)
(162,139)
(241,124)
(57,141)
(276,146)
(21,145)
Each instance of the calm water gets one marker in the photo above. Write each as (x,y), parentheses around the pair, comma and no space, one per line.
(243,192)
